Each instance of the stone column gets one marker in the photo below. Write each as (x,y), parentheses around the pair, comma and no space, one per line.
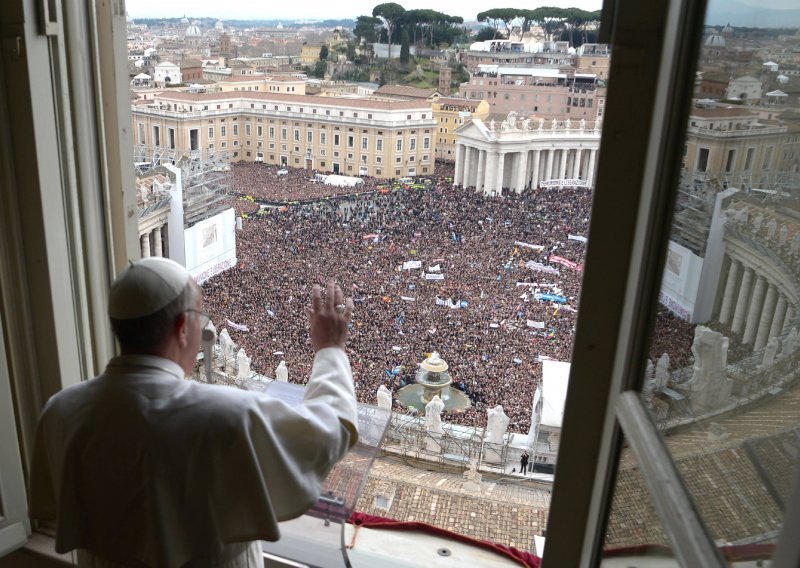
(562,165)
(767,314)
(777,319)
(726,310)
(459,176)
(535,170)
(741,301)
(491,174)
(754,313)
(590,168)
(576,168)
(501,169)
(548,167)
(466,177)
(788,319)
(528,168)
(481,174)
(145,240)
(522,168)
(157,241)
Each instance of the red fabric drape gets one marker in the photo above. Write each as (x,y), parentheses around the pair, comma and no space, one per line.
(371,521)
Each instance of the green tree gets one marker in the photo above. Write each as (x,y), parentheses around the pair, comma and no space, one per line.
(405,51)
(366,29)
(323,53)
(319,69)
(390,13)
(497,16)
(550,19)
(485,34)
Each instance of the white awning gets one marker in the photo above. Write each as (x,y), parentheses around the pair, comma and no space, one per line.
(555,378)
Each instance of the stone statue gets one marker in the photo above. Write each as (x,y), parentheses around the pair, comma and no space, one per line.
(282,372)
(491,125)
(709,387)
(497,424)
(772,228)
(433,415)
(770,352)
(649,382)
(541,124)
(796,243)
(784,234)
(662,372)
(243,362)
(553,124)
(789,343)
(526,123)
(583,124)
(505,126)
(758,222)
(225,348)
(385,398)
(567,124)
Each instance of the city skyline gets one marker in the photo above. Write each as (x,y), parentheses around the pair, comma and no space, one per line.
(319,10)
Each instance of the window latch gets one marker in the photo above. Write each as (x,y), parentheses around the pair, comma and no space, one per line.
(48,17)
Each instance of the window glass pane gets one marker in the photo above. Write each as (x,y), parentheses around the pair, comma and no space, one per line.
(476,257)
(721,382)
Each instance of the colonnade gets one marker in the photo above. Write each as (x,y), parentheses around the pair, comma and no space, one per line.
(754,306)
(490,171)
(152,242)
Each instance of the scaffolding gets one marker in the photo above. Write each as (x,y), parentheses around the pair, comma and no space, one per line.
(206,177)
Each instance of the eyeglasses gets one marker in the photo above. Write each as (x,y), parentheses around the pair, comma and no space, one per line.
(202,316)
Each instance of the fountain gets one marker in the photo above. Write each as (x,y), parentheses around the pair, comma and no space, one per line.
(433,379)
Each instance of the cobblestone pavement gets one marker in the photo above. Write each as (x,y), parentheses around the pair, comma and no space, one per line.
(503,513)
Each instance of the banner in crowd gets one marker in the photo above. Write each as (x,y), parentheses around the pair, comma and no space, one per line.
(539,267)
(564,183)
(237,326)
(451,304)
(530,246)
(578,238)
(535,324)
(435,268)
(434,277)
(564,262)
(411,264)
(408,299)
(549,298)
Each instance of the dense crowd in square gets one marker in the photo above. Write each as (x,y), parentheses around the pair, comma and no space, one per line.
(487,323)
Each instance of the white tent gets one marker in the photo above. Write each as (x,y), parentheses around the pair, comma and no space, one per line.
(142,77)
(555,378)
(343,181)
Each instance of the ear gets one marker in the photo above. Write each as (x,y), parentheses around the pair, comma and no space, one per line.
(181,329)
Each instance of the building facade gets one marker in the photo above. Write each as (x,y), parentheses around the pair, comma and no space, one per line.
(386,139)
(547,92)
(450,113)
(733,146)
(520,153)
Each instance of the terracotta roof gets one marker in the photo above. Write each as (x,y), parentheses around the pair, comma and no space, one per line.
(191,63)
(405,91)
(457,101)
(282,98)
(284,79)
(721,113)
(243,78)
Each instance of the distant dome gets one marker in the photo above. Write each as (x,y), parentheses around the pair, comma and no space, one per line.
(185,21)
(219,25)
(715,40)
(193,31)
(727,29)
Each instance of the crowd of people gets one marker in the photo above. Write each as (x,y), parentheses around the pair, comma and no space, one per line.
(440,269)
(277,184)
